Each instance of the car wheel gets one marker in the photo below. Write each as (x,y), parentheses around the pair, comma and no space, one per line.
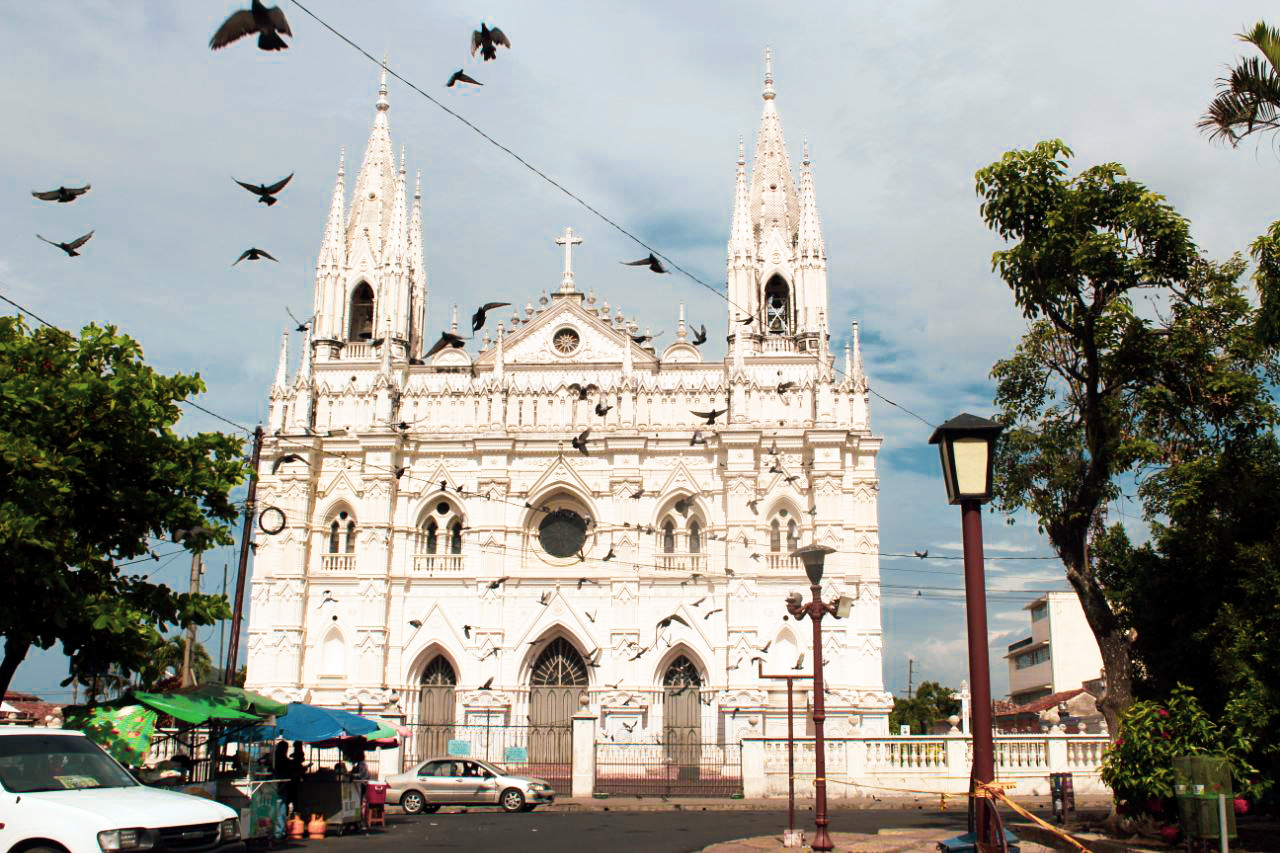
(512,800)
(412,802)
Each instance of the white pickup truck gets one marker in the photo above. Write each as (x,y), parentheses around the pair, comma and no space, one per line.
(60,793)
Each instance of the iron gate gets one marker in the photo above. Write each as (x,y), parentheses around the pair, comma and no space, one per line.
(511,747)
(435,710)
(649,770)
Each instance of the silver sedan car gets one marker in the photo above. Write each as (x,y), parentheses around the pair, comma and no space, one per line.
(456,781)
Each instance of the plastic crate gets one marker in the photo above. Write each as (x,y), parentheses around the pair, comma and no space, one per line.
(376,793)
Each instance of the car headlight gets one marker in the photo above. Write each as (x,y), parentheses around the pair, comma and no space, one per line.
(536,787)
(229,829)
(127,839)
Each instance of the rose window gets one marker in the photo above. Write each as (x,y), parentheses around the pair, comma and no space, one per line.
(566,341)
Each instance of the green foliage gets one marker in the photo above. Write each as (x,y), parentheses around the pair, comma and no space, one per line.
(932,702)
(166,659)
(1248,99)
(1138,766)
(90,469)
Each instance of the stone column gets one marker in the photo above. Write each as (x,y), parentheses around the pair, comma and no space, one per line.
(754,784)
(584,754)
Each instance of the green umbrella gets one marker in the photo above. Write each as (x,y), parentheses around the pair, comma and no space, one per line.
(124,731)
(194,708)
(239,699)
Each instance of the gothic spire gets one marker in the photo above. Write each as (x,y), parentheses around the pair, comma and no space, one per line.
(417,275)
(773,189)
(809,236)
(282,367)
(333,247)
(303,379)
(375,185)
(740,237)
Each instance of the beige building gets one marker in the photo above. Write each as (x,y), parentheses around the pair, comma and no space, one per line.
(1060,654)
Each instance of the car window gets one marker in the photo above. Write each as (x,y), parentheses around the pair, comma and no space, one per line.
(431,768)
(36,762)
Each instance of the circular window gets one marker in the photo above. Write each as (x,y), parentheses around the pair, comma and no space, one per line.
(442,508)
(562,533)
(566,341)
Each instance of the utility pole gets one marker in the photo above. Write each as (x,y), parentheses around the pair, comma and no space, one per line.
(250,511)
(222,626)
(911,665)
(188,677)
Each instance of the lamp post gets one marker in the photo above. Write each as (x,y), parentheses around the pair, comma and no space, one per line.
(814,557)
(965,444)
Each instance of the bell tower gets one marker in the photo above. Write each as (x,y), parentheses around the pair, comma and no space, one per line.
(369,274)
(777,263)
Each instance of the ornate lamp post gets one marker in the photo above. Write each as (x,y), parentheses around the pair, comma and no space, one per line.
(965,443)
(814,557)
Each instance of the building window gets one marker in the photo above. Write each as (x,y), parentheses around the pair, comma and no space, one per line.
(668,537)
(361,326)
(1030,659)
(432,535)
(566,341)
(1039,613)
(342,535)
(562,533)
(777,307)
(695,537)
(775,536)
(793,536)
(455,537)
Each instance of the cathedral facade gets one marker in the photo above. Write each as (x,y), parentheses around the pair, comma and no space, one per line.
(539,523)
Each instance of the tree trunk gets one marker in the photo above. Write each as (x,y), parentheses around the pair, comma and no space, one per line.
(1113,645)
(15,651)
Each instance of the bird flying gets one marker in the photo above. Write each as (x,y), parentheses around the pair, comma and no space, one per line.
(254,254)
(488,684)
(651,262)
(591,615)
(582,390)
(799,662)
(466,631)
(755,556)
(665,622)
(699,601)
(478,318)
(608,556)
(602,408)
(710,613)
(415,623)
(754,506)
(69,248)
(268,23)
(499,582)
(461,76)
(544,599)
(580,442)
(696,438)
(447,339)
(302,324)
(487,42)
(62,195)
(700,336)
(266,193)
(921,554)
(638,494)
(285,460)
(784,387)
(645,338)
(710,416)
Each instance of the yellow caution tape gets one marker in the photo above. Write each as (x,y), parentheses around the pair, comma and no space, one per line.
(993,791)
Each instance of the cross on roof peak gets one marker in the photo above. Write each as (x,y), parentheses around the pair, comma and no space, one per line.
(568,240)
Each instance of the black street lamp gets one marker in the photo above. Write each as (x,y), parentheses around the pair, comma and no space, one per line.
(966,444)
(814,557)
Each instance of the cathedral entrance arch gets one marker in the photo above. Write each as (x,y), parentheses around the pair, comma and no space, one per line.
(436,703)
(682,716)
(557,679)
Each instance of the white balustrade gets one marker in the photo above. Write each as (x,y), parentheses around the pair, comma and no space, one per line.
(782,563)
(682,562)
(337,562)
(437,564)
(355,352)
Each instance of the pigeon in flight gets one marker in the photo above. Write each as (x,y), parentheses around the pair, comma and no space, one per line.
(639,493)
(603,407)
(461,76)
(487,42)
(478,318)
(487,685)
(765,647)
(594,659)
(665,622)
(62,195)
(544,599)
(69,248)
(416,623)
(466,631)
(755,556)
(499,582)
(698,603)
(812,511)
(774,469)
(266,194)
(754,506)
(582,390)
(700,336)
(591,615)
(651,262)
(254,254)
(790,479)
(302,324)
(747,321)
(711,613)
(608,556)
(638,655)
(580,442)
(645,338)
(710,416)
(921,554)
(285,460)
(696,438)
(268,23)
(581,581)
(799,662)
(784,387)
(447,339)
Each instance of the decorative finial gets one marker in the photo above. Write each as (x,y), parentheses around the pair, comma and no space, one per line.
(742,152)
(401,159)
(342,161)
(453,326)
(417,190)
(681,332)
(768,74)
(805,161)
(383,103)
(568,240)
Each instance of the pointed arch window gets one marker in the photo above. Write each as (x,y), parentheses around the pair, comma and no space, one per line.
(361,325)
(342,534)
(668,537)
(793,536)
(681,673)
(777,306)
(560,666)
(439,673)
(695,537)
(775,536)
(432,535)
(455,537)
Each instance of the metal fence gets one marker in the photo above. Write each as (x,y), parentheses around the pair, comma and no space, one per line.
(545,752)
(656,770)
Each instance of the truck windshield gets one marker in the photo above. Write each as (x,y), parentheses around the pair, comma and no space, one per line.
(36,762)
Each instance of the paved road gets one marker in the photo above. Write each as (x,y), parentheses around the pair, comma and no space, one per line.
(487,830)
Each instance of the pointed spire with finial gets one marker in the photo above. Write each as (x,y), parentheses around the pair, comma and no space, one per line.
(383,103)
(857,353)
(768,74)
(453,324)
(333,253)
(384,366)
(282,367)
(809,234)
(773,189)
(681,331)
(740,236)
(303,379)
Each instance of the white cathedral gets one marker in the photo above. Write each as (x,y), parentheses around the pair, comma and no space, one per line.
(434,547)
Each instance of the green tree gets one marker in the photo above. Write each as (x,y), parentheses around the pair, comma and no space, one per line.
(1097,391)
(166,661)
(90,470)
(932,702)
(1248,99)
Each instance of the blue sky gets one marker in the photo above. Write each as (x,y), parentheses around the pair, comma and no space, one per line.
(638,108)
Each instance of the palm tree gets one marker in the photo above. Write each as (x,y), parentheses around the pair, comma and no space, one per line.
(167,656)
(1248,100)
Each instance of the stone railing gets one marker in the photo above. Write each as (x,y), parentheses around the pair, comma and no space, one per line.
(897,766)
(355,352)
(337,562)
(681,562)
(438,564)
(783,563)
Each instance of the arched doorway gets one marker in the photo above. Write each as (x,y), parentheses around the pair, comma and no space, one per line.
(361,314)
(777,307)
(559,676)
(682,717)
(436,705)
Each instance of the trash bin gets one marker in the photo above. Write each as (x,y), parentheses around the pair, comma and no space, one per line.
(1198,782)
(1063,791)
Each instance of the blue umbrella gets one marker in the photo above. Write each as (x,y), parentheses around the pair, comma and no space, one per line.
(310,724)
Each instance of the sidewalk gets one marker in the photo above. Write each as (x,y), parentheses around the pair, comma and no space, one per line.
(885,841)
(955,803)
